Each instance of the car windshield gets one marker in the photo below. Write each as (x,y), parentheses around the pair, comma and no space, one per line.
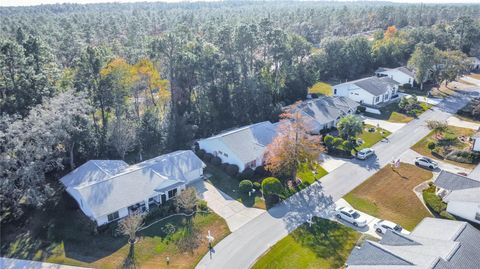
(355,215)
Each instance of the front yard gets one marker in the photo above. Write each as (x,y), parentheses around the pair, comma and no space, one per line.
(392,113)
(446,146)
(326,244)
(61,235)
(388,194)
(370,137)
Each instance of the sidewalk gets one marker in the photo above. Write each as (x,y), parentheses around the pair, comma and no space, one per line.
(463,124)
(234,212)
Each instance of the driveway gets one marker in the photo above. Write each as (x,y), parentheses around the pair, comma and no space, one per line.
(464,124)
(371,220)
(235,213)
(389,126)
(410,155)
(330,163)
(241,248)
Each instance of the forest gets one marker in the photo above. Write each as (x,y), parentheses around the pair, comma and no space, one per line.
(132,81)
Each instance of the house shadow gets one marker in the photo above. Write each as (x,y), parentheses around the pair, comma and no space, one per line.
(369,164)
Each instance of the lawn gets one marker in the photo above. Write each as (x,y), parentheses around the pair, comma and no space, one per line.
(321,88)
(311,174)
(326,244)
(392,113)
(449,141)
(371,138)
(388,194)
(70,241)
(229,185)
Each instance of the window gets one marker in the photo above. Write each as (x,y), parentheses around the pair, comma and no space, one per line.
(377,99)
(172,193)
(334,91)
(225,154)
(220,152)
(113,216)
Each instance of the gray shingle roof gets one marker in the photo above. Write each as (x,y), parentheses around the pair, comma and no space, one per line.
(451,181)
(374,85)
(373,254)
(326,109)
(396,239)
(406,71)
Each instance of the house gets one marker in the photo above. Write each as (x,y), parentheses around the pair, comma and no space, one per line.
(475,63)
(371,91)
(244,146)
(462,194)
(324,112)
(476,142)
(433,244)
(401,75)
(107,190)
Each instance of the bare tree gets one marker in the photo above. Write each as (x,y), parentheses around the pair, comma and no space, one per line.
(123,136)
(130,225)
(187,199)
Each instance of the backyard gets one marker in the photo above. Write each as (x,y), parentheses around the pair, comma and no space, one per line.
(65,236)
(324,244)
(388,194)
(446,144)
(322,88)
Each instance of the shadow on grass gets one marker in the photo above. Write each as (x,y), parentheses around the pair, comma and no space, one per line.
(130,261)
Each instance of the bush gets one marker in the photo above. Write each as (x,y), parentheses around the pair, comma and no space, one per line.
(202,205)
(434,202)
(224,167)
(245,186)
(232,170)
(216,161)
(261,171)
(272,186)
(247,173)
(256,185)
(431,145)
(337,141)
(208,157)
(201,153)
(361,109)
(407,86)
(328,140)
(446,215)
(462,156)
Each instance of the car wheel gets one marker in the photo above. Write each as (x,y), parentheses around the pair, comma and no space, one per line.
(431,167)
(379,230)
(339,216)
(355,224)
(417,164)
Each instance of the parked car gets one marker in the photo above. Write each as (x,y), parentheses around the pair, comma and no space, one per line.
(426,163)
(383,225)
(352,216)
(365,153)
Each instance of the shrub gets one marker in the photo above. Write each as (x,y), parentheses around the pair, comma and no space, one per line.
(348,145)
(446,215)
(232,170)
(261,171)
(256,185)
(462,156)
(224,167)
(272,186)
(337,141)
(361,109)
(328,140)
(247,173)
(431,145)
(208,157)
(216,161)
(201,153)
(407,86)
(202,205)
(245,186)
(434,202)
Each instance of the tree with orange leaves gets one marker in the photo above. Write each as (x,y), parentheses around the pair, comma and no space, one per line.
(390,32)
(293,146)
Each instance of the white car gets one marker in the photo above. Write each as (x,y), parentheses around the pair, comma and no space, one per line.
(383,225)
(426,163)
(352,216)
(365,153)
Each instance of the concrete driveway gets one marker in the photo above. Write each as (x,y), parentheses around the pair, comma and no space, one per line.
(463,124)
(330,163)
(409,157)
(389,126)
(234,212)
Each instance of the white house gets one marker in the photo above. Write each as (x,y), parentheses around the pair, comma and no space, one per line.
(401,74)
(476,142)
(244,146)
(475,63)
(462,195)
(107,190)
(368,91)
(324,112)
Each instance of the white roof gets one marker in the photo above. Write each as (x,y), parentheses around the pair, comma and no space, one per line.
(105,192)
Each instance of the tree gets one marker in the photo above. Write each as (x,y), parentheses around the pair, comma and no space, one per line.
(187,199)
(452,64)
(122,136)
(349,127)
(437,126)
(409,105)
(272,186)
(293,146)
(423,61)
(130,225)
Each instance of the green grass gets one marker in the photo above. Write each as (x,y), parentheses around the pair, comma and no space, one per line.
(321,88)
(392,113)
(229,185)
(325,244)
(311,174)
(371,138)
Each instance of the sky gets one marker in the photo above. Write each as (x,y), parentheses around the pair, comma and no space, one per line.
(38,2)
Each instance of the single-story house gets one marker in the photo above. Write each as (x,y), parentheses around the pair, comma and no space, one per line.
(108,190)
(475,63)
(324,112)
(462,195)
(402,74)
(433,244)
(476,142)
(244,146)
(371,91)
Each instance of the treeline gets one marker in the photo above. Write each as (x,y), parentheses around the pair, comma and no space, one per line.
(132,81)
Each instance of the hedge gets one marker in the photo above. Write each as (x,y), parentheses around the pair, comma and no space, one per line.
(216,161)
(245,186)
(232,170)
(272,186)
(247,173)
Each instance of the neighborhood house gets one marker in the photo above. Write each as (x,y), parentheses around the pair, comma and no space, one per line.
(371,91)
(324,112)
(461,193)
(475,63)
(244,146)
(107,190)
(433,244)
(401,75)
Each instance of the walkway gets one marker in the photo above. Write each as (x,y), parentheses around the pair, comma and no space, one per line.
(6,263)
(235,213)
(241,248)
(463,124)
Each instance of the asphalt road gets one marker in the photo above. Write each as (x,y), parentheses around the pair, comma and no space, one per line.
(244,246)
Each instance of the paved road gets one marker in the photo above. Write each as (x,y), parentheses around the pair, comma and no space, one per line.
(241,248)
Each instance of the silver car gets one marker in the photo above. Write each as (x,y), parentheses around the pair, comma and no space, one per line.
(350,215)
(383,225)
(426,163)
(365,153)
